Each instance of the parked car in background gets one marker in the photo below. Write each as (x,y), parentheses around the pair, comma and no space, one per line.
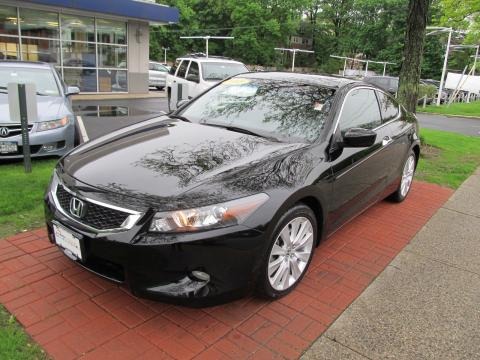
(194,73)
(386,83)
(234,190)
(157,74)
(53,132)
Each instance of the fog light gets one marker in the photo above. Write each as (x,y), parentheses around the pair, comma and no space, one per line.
(201,276)
(49,147)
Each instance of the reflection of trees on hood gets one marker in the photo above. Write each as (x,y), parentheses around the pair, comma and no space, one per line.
(190,161)
(289,105)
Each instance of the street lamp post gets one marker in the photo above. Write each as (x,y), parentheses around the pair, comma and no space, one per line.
(165,54)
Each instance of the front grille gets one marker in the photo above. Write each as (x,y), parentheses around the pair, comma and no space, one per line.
(96,216)
(13,130)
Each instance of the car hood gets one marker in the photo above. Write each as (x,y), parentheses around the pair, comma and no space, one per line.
(161,159)
(48,108)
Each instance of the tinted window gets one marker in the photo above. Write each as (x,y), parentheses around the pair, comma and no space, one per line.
(183,69)
(221,70)
(174,67)
(193,70)
(388,108)
(360,110)
(285,110)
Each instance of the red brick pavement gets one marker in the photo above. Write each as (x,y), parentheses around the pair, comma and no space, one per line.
(73,313)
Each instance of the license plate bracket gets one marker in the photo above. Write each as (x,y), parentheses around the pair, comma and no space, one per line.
(69,242)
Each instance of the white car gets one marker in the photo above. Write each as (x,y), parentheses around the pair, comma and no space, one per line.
(193,74)
(156,74)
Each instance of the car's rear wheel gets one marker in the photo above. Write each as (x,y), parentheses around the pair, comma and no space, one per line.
(407,177)
(289,253)
(159,87)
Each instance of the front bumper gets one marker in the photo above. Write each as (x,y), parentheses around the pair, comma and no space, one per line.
(166,267)
(63,138)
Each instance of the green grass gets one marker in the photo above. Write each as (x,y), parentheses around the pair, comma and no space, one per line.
(447,158)
(21,205)
(457,109)
(14,343)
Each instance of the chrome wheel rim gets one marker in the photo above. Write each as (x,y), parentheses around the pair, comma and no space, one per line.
(290,253)
(407,176)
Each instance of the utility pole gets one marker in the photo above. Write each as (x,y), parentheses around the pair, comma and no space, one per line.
(294,52)
(207,38)
(165,54)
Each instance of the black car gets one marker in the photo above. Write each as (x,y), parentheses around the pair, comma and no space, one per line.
(234,190)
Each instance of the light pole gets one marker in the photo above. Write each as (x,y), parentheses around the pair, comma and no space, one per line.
(439,30)
(294,51)
(165,54)
(207,38)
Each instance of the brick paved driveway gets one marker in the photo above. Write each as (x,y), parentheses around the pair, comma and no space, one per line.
(73,313)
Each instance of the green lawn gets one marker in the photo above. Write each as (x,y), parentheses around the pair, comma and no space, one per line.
(21,205)
(14,343)
(459,109)
(447,158)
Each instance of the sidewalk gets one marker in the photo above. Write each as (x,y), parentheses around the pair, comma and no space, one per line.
(426,303)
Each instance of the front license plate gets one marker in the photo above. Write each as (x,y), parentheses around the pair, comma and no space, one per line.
(66,240)
(7,147)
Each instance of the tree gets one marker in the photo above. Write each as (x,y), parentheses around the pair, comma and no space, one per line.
(412,53)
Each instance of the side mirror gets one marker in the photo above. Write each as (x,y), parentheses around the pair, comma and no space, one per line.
(72,90)
(183,102)
(358,137)
(193,77)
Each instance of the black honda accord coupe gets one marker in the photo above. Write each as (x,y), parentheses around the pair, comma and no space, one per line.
(234,191)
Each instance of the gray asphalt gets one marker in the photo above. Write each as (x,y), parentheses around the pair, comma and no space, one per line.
(466,126)
(424,305)
(103,116)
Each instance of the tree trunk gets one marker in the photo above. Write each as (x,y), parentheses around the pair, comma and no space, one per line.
(412,53)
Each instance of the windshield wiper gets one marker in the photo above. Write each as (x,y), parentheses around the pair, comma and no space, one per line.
(179,117)
(243,131)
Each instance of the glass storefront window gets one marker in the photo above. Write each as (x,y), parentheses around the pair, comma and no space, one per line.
(41,50)
(111,32)
(112,56)
(85,79)
(8,48)
(112,80)
(39,23)
(77,54)
(78,28)
(8,20)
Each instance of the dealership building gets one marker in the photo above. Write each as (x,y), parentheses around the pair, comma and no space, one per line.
(101,46)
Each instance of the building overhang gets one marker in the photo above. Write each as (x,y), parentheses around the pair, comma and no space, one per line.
(133,9)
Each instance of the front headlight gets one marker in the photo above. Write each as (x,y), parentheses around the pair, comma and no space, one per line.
(212,216)
(53,124)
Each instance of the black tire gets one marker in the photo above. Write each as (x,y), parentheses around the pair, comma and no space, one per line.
(160,88)
(77,140)
(264,287)
(169,96)
(397,196)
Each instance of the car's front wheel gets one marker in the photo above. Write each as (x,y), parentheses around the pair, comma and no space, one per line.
(407,178)
(289,253)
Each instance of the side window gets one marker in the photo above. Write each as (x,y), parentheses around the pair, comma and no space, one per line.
(161,68)
(182,70)
(193,72)
(174,67)
(360,110)
(388,108)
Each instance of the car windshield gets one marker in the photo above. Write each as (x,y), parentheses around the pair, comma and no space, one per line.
(43,79)
(285,110)
(221,70)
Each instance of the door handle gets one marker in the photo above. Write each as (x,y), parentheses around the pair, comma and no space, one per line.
(386,140)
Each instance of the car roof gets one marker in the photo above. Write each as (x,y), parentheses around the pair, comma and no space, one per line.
(29,64)
(210,59)
(331,81)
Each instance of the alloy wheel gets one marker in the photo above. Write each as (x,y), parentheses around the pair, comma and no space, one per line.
(290,253)
(407,175)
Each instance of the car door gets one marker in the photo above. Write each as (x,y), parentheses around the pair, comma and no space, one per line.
(179,85)
(395,137)
(358,172)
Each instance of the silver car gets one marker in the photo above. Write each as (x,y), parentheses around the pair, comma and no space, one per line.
(53,132)
(156,74)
